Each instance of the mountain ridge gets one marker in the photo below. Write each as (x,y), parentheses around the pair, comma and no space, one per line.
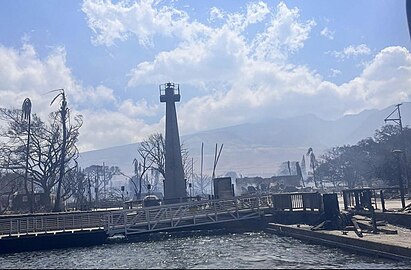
(260,148)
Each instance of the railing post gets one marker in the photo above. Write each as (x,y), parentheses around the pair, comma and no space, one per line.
(172,217)
(303,199)
(148,219)
(236,208)
(375,199)
(215,209)
(382,200)
(357,200)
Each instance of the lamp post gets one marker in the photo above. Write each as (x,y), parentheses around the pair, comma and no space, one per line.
(26,114)
(401,184)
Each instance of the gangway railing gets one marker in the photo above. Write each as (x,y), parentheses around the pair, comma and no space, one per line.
(157,218)
(51,223)
(188,214)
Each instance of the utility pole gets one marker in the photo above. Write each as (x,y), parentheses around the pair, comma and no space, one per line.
(201,168)
(192,175)
(216,158)
(399,122)
(104,180)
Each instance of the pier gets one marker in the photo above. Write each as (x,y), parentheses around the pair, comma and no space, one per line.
(97,226)
(289,214)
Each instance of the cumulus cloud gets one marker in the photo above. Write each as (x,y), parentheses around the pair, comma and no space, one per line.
(222,54)
(248,77)
(284,35)
(144,19)
(285,92)
(383,82)
(24,74)
(352,51)
(234,76)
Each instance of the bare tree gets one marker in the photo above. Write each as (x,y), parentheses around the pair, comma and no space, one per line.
(98,176)
(152,156)
(186,160)
(201,184)
(10,183)
(45,161)
(76,182)
(154,150)
(141,167)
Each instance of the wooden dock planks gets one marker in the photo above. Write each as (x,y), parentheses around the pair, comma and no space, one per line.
(394,246)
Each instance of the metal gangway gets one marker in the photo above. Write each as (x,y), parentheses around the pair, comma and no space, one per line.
(141,220)
(183,215)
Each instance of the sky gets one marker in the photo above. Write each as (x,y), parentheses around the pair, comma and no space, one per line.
(235,61)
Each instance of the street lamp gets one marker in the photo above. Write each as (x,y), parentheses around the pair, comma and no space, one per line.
(398,153)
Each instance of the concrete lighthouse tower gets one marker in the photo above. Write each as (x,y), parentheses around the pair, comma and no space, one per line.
(174,184)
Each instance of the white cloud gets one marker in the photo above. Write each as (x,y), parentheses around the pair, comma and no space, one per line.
(24,74)
(144,19)
(284,35)
(224,53)
(138,109)
(216,14)
(218,59)
(245,79)
(249,78)
(104,128)
(256,12)
(352,51)
(327,33)
(384,81)
(335,72)
(268,91)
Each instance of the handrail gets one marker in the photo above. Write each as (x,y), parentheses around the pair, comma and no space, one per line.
(156,217)
(36,224)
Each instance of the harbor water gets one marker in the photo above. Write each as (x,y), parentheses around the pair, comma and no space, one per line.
(239,250)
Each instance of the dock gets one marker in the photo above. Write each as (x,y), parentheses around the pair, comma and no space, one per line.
(290,214)
(393,246)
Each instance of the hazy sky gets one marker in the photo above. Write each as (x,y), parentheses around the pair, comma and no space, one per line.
(236,61)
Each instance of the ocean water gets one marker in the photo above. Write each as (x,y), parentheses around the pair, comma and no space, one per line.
(235,250)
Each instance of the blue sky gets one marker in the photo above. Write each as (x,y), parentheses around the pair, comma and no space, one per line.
(235,61)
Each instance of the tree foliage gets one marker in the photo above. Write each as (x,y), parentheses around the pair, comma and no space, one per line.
(369,162)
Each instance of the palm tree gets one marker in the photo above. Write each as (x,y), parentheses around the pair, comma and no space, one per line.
(63,114)
(313,163)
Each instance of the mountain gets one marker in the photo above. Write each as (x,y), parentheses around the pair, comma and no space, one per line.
(259,148)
